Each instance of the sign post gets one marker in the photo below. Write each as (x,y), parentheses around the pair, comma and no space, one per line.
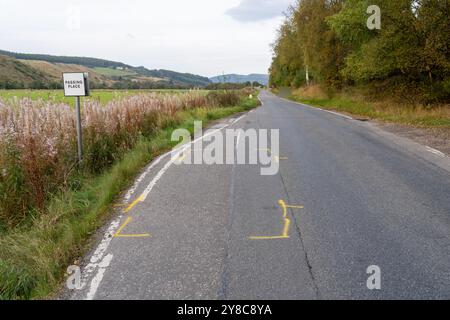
(77,85)
(79,129)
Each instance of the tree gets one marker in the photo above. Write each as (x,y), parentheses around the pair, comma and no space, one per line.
(330,38)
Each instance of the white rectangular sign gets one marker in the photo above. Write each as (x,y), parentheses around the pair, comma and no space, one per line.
(74,85)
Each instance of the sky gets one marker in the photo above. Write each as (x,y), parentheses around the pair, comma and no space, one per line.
(205,37)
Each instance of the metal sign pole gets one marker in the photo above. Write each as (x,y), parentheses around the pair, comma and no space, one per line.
(76,84)
(79,130)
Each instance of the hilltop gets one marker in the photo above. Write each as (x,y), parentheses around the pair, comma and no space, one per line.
(37,71)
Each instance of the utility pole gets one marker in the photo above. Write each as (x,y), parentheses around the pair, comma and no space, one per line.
(306,67)
(307,76)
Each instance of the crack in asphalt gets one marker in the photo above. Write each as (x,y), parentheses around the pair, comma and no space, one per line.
(223,290)
(299,232)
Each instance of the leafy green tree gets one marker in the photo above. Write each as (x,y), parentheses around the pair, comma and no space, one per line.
(331,39)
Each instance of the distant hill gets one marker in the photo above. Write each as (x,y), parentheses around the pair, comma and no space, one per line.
(13,71)
(35,70)
(37,74)
(237,78)
(84,61)
(175,76)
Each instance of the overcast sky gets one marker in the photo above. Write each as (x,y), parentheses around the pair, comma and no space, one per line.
(205,37)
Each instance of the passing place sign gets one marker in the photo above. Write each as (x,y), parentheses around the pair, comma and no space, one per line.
(74,84)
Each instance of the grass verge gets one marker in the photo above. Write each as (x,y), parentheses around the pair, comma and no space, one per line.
(33,260)
(386,111)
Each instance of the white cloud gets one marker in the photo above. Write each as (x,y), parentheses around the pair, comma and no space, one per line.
(258,10)
(193,36)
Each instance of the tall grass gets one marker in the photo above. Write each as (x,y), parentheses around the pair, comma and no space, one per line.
(101,95)
(388,110)
(38,142)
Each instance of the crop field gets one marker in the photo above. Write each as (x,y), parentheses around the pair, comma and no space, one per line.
(100,96)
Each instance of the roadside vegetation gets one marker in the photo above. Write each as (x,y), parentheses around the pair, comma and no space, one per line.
(100,96)
(386,110)
(50,205)
(400,72)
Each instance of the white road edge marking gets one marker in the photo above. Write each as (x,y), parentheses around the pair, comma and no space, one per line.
(109,234)
(143,175)
(95,283)
(177,153)
(97,260)
(337,114)
(432,150)
(317,108)
(436,152)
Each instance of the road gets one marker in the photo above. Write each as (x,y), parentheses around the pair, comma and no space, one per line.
(354,195)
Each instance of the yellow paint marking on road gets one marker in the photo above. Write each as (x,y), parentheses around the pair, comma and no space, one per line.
(145,235)
(180,158)
(120,235)
(277,158)
(287,223)
(295,207)
(269,238)
(127,221)
(135,202)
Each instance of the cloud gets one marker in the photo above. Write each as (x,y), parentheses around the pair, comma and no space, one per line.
(186,36)
(258,10)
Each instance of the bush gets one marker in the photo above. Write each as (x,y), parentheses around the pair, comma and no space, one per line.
(225,98)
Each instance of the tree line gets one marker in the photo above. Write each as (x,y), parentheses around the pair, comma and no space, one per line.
(233,86)
(84,61)
(329,42)
(116,85)
(175,79)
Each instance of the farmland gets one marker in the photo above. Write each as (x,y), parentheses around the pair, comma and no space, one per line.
(101,96)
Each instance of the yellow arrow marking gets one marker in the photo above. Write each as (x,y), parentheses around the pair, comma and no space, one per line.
(135,202)
(120,235)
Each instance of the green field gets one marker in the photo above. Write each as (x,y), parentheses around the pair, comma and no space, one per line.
(114,72)
(57,96)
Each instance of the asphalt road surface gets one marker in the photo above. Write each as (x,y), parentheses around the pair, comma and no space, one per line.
(352,196)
